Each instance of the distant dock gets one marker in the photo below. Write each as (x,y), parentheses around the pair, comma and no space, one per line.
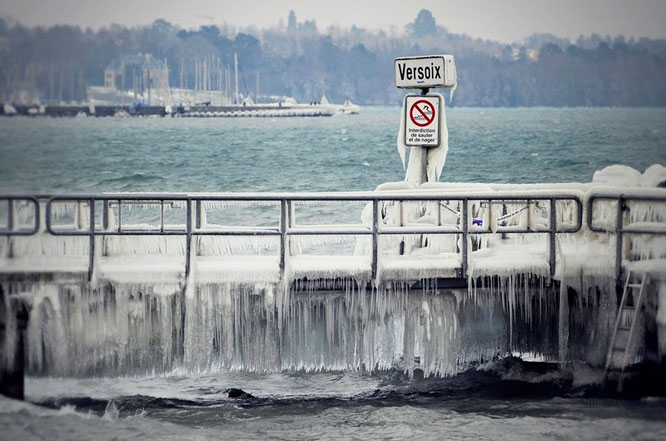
(201,111)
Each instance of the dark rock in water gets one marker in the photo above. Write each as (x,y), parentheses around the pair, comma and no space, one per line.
(418,374)
(238,393)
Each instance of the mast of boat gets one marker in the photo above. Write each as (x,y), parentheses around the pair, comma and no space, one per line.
(236,76)
(256,92)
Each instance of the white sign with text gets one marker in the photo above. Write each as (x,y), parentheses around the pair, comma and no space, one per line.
(425,72)
(422,114)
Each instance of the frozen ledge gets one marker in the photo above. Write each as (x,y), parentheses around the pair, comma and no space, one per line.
(507,259)
(330,267)
(654,268)
(444,265)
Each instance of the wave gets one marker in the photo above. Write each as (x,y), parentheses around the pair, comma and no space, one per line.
(509,378)
(134,178)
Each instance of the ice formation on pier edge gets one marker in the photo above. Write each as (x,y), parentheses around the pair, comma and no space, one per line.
(141,315)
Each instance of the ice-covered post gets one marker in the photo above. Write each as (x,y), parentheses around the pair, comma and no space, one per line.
(10,227)
(12,368)
(423,123)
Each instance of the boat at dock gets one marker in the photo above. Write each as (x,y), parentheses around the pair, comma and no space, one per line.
(272,110)
(288,108)
(349,108)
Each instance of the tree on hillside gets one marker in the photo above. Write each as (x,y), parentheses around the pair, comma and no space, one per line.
(291,22)
(424,24)
(55,64)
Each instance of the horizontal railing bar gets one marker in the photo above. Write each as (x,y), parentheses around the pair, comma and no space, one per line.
(508,197)
(236,232)
(426,229)
(31,232)
(623,198)
(124,198)
(529,201)
(57,232)
(114,202)
(628,197)
(641,231)
(19,197)
(313,232)
(147,202)
(301,232)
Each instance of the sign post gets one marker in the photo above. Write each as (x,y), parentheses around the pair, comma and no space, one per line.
(424,113)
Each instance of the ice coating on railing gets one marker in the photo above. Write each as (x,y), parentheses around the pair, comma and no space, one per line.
(236,310)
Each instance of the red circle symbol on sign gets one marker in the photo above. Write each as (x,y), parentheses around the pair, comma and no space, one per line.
(427,118)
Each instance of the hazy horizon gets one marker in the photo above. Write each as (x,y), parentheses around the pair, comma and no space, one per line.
(509,21)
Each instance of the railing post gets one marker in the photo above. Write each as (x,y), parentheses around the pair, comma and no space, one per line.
(375,237)
(291,217)
(105,215)
(284,219)
(618,238)
(105,226)
(504,212)
(38,216)
(47,215)
(10,226)
(188,237)
(10,214)
(401,222)
(120,216)
(198,213)
(91,248)
(162,216)
(291,212)
(551,243)
(464,225)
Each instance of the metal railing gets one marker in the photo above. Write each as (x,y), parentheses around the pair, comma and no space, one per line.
(287,226)
(619,229)
(11,227)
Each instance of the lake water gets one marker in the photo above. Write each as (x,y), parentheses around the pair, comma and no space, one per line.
(500,400)
(317,154)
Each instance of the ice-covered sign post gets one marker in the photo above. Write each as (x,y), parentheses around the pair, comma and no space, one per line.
(423,122)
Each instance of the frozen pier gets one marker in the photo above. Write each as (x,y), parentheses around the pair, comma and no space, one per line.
(438,231)
(443,274)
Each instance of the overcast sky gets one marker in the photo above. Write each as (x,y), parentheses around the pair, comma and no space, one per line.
(502,20)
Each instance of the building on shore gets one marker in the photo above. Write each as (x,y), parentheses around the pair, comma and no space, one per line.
(138,72)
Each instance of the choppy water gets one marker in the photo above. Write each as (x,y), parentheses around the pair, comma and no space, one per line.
(497,401)
(310,154)
(506,400)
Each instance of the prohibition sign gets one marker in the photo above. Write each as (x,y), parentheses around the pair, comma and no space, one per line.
(422,120)
(428,119)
